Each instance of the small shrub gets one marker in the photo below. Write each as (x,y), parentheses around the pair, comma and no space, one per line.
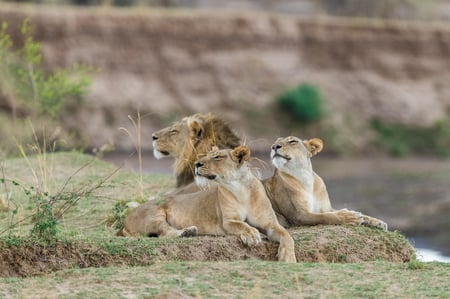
(400,140)
(27,86)
(45,227)
(48,207)
(303,103)
(33,96)
(120,211)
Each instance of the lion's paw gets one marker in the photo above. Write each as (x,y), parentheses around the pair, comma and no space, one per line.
(350,217)
(287,256)
(190,231)
(250,237)
(374,222)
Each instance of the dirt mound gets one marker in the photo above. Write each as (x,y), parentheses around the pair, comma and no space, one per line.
(24,257)
(312,244)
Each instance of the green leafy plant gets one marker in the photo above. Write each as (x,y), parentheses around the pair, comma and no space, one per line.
(49,207)
(401,140)
(45,225)
(32,95)
(303,103)
(120,211)
(27,86)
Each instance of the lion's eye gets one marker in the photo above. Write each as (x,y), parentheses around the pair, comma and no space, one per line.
(218,157)
(173,132)
(293,141)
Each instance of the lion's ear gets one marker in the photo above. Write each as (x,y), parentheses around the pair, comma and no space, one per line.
(240,154)
(314,146)
(196,129)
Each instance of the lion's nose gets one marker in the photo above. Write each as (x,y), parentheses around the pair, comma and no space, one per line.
(154,137)
(276,147)
(198,164)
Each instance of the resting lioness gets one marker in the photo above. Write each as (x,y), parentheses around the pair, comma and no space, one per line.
(236,204)
(298,194)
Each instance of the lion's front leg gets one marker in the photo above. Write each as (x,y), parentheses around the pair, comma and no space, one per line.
(279,234)
(266,220)
(249,235)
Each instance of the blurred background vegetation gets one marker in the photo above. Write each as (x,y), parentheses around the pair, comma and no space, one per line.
(36,101)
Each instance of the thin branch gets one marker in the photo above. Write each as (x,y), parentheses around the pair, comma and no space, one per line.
(17,223)
(68,204)
(74,174)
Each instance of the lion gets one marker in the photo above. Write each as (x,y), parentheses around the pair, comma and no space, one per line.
(236,203)
(298,195)
(189,138)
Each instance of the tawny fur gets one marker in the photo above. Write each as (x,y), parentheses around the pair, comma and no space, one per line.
(190,138)
(298,195)
(235,204)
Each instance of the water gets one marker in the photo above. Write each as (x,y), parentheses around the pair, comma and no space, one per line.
(430,255)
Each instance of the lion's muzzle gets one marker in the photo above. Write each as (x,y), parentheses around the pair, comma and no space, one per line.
(199,170)
(275,154)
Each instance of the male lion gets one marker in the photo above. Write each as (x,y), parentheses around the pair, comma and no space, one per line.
(236,204)
(298,194)
(190,137)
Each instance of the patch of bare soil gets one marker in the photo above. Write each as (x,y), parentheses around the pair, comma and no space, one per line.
(23,258)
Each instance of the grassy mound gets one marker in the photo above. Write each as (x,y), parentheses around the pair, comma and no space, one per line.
(85,238)
(26,257)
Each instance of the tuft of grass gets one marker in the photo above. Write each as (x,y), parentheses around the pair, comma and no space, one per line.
(137,140)
(415,265)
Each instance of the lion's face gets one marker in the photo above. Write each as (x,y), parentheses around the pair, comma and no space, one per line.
(292,152)
(222,166)
(170,141)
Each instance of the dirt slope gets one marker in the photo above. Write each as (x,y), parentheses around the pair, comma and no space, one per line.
(313,244)
(172,63)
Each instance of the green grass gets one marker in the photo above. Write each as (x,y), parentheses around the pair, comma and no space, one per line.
(76,172)
(139,270)
(244,279)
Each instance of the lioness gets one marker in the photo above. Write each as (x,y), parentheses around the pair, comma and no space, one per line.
(190,137)
(237,204)
(298,194)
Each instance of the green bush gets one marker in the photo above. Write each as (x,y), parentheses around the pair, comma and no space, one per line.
(32,98)
(303,103)
(25,85)
(401,140)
